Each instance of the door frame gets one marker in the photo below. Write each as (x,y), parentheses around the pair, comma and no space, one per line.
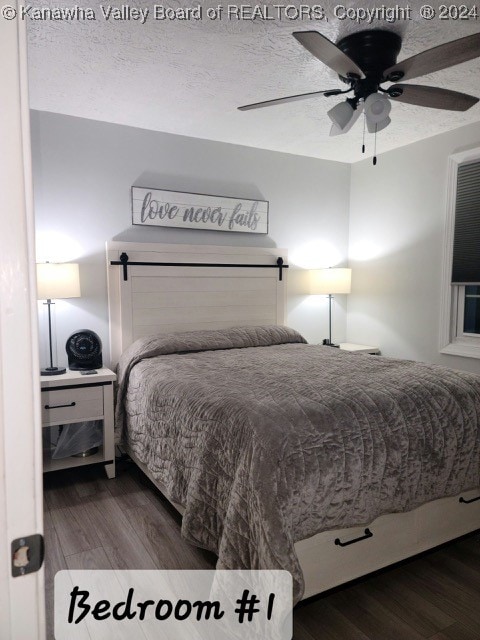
(22,600)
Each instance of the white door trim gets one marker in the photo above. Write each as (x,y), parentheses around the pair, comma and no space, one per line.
(22,611)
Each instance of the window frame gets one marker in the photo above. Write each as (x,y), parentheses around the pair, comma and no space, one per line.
(452,339)
(459,316)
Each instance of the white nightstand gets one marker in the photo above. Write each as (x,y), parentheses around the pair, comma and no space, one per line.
(359,348)
(75,398)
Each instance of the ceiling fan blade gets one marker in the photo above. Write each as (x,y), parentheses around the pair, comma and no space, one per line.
(300,96)
(441,57)
(432,97)
(328,53)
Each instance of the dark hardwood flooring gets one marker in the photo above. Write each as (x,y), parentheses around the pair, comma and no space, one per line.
(95,523)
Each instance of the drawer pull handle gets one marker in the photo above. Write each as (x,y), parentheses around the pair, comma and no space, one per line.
(368,534)
(60,406)
(469,501)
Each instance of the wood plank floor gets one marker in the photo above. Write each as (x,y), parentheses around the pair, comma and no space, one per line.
(124,523)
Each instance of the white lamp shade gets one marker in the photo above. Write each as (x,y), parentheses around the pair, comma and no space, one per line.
(377,107)
(376,127)
(326,281)
(57,281)
(341,114)
(335,129)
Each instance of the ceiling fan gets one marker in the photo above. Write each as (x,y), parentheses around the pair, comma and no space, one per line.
(367,59)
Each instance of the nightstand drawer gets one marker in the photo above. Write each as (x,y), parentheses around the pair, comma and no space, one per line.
(71,405)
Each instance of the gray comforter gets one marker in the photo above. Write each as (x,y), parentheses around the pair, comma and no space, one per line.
(266,440)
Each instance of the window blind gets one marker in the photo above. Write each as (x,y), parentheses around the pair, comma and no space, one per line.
(466,243)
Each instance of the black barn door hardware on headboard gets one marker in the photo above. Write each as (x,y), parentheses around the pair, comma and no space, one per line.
(339,543)
(468,501)
(124,262)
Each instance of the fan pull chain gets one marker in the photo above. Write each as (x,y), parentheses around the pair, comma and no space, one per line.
(364,125)
(375,147)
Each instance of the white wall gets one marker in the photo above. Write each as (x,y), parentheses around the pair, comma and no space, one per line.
(83,171)
(397,215)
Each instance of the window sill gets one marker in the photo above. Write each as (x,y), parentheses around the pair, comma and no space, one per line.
(462,349)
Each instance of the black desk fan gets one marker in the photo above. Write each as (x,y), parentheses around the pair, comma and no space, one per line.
(84,350)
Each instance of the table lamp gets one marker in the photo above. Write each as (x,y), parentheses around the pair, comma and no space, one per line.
(330,282)
(56,281)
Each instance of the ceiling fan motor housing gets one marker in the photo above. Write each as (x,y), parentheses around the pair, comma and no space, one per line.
(366,59)
(373,51)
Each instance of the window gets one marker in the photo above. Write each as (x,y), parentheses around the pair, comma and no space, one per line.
(460,314)
(471,310)
(466,316)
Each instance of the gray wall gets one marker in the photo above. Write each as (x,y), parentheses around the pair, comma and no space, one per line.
(397,217)
(83,171)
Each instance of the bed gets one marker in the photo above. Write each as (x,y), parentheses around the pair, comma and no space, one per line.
(281,454)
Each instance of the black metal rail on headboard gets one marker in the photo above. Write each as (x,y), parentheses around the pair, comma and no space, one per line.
(125,263)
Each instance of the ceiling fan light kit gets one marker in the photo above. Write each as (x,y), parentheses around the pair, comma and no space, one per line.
(367,59)
(341,114)
(376,127)
(335,129)
(377,107)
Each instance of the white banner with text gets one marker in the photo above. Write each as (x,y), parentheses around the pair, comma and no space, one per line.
(161,208)
(173,605)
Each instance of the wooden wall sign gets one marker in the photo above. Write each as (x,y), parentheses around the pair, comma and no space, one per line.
(161,208)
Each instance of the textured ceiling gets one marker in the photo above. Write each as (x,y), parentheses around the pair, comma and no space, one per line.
(188,77)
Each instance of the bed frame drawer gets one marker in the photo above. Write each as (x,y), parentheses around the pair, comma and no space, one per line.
(350,553)
(448,518)
(63,406)
(395,536)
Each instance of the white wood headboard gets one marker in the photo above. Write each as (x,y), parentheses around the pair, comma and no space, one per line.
(155,299)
